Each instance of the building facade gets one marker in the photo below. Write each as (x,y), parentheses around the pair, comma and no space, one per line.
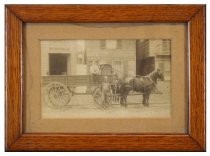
(127,57)
(74,57)
(121,54)
(156,54)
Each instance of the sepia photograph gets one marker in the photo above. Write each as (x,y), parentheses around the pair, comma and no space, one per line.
(106,78)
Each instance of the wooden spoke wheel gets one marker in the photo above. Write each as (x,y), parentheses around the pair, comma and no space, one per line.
(57,95)
(101,100)
(97,97)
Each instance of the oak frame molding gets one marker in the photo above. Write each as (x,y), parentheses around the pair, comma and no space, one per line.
(17,15)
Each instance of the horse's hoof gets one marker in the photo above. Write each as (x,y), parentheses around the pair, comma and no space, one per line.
(145,105)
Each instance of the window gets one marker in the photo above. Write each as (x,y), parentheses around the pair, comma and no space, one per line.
(111,44)
(118,68)
(166,46)
(58,64)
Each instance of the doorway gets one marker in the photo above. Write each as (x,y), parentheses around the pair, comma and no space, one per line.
(58,64)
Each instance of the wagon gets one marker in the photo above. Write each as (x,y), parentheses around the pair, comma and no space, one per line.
(59,89)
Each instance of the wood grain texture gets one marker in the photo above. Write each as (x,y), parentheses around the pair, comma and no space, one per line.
(13,78)
(59,142)
(197,78)
(16,15)
(104,13)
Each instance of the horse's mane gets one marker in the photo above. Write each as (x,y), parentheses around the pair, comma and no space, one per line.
(148,75)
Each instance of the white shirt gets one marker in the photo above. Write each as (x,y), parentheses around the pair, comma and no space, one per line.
(94,69)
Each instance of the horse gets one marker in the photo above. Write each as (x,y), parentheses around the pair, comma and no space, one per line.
(124,89)
(144,84)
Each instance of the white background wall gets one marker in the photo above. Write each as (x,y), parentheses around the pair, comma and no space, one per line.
(2,2)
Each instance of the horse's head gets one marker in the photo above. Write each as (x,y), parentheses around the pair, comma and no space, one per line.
(157,75)
(160,75)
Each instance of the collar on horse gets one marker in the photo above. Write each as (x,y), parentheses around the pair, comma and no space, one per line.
(149,76)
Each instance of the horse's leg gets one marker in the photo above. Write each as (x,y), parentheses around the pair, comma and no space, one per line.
(113,97)
(144,99)
(117,96)
(147,99)
(125,101)
(121,100)
(106,98)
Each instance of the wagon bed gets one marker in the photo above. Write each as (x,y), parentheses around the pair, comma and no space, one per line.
(75,80)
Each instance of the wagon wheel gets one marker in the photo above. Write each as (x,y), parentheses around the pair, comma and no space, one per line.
(97,97)
(57,95)
(99,101)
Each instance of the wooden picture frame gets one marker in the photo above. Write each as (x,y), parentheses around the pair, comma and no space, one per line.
(17,15)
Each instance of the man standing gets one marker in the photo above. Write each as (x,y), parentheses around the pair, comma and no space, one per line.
(94,70)
(106,89)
